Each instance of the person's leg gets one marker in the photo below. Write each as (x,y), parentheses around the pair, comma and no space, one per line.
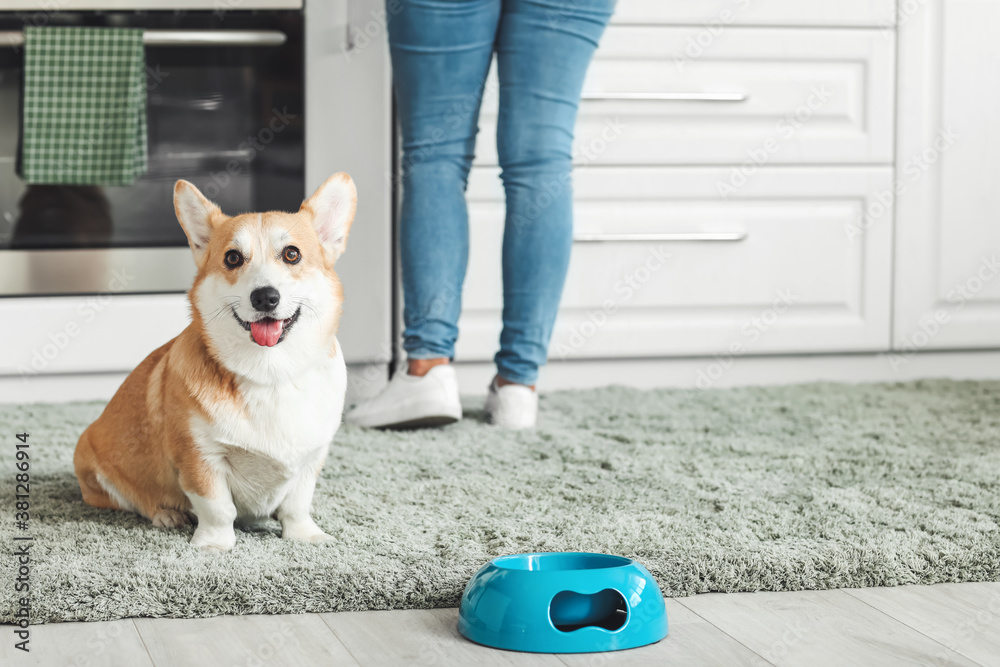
(441,52)
(543,50)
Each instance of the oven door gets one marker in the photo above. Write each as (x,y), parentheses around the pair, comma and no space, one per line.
(225,110)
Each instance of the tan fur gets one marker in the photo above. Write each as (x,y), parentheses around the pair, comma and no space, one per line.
(142,444)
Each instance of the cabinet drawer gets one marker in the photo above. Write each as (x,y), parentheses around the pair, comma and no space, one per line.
(663,266)
(716,13)
(756,95)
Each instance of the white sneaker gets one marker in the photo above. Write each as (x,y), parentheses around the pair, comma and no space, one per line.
(512,406)
(411,401)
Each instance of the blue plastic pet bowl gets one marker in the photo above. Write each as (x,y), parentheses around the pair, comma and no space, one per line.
(563,603)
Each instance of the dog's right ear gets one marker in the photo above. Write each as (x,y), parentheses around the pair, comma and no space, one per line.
(197,215)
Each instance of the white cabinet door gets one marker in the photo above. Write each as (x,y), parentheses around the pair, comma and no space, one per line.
(754,96)
(716,14)
(948,202)
(662,266)
(353,133)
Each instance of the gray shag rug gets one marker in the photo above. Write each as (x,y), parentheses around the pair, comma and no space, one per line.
(778,488)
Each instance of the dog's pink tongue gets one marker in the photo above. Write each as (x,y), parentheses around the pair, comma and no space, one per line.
(266,332)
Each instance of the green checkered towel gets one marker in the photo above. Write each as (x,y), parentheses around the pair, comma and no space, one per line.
(84,106)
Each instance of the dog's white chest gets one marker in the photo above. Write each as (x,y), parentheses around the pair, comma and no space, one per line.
(290,419)
(278,431)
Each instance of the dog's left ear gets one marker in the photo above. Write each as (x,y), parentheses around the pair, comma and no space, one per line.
(332,207)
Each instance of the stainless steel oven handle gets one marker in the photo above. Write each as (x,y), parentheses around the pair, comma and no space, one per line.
(667,97)
(664,237)
(187,38)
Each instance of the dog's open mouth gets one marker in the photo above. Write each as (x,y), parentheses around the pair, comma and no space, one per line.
(268,331)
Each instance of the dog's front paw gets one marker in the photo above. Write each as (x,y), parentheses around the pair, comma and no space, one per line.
(305,532)
(168,518)
(213,539)
(318,537)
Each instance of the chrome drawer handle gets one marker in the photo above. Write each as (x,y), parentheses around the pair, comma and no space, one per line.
(679,236)
(667,97)
(188,38)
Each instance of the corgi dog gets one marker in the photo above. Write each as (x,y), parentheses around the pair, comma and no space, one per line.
(230,422)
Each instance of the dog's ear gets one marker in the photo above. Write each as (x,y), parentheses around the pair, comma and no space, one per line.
(332,207)
(197,215)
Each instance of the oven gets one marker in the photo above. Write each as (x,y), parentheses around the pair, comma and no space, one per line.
(225,110)
(257,102)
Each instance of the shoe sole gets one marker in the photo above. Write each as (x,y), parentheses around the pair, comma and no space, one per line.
(421,422)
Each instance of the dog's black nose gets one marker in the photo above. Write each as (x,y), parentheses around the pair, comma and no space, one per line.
(265,299)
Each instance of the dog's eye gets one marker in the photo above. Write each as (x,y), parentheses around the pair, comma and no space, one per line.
(234,259)
(292,255)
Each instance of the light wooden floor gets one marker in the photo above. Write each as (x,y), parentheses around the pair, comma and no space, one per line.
(947,624)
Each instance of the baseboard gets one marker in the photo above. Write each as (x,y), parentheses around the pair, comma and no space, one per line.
(363,381)
(721,371)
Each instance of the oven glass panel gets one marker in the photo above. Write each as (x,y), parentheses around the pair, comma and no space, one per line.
(230,119)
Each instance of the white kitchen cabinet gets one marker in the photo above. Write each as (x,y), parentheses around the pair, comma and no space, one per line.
(721,198)
(784,273)
(353,133)
(948,202)
(758,95)
(714,15)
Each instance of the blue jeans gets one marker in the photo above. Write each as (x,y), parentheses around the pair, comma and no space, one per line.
(441,52)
